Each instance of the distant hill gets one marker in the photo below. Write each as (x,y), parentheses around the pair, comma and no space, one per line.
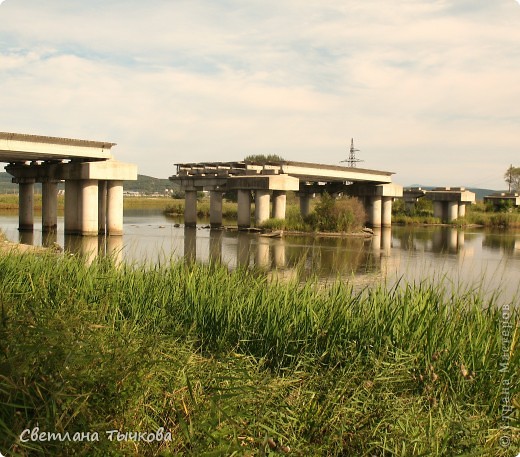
(143,185)
(479,193)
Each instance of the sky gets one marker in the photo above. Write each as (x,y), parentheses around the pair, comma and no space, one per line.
(428,89)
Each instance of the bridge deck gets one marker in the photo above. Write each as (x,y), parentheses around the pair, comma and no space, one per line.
(310,172)
(17,147)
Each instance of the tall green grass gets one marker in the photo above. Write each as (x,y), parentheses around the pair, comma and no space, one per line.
(234,365)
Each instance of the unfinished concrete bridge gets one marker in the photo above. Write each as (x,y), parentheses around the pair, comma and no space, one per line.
(93,181)
(272,181)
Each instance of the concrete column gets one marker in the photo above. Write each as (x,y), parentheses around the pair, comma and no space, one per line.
(49,238)
(462,210)
(387,211)
(279,204)
(243,249)
(102,206)
(386,240)
(262,253)
(262,201)
(438,210)
(215,209)
(215,246)
(114,207)
(244,208)
(49,206)
(71,206)
(375,211)
(279,253)
(305,204)
(26,237)
(190,208)
(190,244)
(25,206)
(88,216)
(453,211)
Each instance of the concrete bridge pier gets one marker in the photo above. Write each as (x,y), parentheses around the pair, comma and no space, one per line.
(305,204)
(377,201)
(88,210)
(244,208)
(114,223)
(279,204)
(215,209)
(102,206)
(190,208)
(386,213)
(374,211)
(262,206)
(49,205)
(26,204)
(450,203)
(452,210)
(438,210)
(71,207)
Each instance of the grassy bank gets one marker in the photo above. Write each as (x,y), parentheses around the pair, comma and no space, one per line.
(232,365)
(10,202)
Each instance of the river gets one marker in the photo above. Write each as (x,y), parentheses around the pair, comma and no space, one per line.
(470,258)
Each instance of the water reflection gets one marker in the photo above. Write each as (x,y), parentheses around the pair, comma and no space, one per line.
(414,253)
(90,247)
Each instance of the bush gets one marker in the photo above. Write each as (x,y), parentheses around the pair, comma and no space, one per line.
(345,214)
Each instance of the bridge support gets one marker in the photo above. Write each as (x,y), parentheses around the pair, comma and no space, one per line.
(215,209)
(102,206)
(279,204)
(378,201)
(190,208)
(114,208)
(305,204)
(262,202)
(71,207)
(449,203)
(26,204)
(244,208)
(93,195)
(49,206)
(88,213)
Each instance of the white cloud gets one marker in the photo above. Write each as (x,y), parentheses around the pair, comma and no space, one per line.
(416,84)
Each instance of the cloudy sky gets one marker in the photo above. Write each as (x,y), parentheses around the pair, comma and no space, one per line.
(429,89)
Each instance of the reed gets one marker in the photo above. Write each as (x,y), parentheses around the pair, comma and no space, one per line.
(232,364)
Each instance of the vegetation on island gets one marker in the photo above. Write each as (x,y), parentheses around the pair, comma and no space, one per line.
(228,363)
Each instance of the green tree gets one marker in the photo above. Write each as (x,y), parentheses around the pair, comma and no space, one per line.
(512,178)
(262,158)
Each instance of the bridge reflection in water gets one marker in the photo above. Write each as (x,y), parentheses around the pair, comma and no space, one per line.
(412,252)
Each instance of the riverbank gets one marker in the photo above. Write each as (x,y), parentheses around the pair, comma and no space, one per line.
(226,362)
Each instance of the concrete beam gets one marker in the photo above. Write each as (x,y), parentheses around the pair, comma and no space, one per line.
(381,190)
(262,182)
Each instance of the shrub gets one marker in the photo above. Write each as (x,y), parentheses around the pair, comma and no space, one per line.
(345,214)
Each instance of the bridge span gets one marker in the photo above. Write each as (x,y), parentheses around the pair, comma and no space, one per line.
(272,181)
(93,181)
